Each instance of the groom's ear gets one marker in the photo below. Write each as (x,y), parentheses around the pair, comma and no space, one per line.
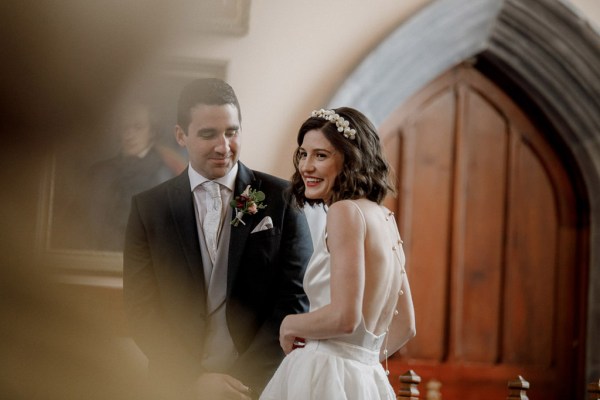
(180,136)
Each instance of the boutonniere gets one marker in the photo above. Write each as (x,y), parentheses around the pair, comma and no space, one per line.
(249,202)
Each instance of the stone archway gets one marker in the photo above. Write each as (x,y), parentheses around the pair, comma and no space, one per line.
(541,48)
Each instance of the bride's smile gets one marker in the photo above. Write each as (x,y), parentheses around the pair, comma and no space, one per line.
(319,165)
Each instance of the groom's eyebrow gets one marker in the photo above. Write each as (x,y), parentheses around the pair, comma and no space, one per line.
(206,132)
(209,131)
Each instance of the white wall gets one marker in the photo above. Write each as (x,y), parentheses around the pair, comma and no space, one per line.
(589,9)
(293,58)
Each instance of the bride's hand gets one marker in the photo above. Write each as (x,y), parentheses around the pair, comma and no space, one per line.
(287,340)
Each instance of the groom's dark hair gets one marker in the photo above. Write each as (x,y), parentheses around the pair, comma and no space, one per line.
(210,91)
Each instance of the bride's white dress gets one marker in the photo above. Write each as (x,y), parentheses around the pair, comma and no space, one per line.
(343,368)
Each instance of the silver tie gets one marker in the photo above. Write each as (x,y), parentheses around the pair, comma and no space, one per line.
(212,219)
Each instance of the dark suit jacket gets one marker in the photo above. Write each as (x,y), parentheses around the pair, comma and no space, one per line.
(164,281)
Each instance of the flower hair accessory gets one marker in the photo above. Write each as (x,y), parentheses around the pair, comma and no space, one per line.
(343,126)
(249,202)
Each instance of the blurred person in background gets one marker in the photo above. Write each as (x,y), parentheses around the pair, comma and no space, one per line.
(142,163)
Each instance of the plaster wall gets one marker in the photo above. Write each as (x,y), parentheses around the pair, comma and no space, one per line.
(293,59)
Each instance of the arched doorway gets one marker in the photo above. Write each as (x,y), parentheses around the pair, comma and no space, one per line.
(492,236)
(539,51)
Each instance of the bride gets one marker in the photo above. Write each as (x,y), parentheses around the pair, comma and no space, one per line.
(361,309)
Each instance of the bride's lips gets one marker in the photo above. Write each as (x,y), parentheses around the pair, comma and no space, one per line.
(311,181)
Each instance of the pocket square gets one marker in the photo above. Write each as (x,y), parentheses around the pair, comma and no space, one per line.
(266,223)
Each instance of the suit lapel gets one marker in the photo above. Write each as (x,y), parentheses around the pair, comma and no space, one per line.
(240,233)
(181,202)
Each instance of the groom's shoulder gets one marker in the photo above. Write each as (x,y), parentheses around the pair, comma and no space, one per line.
(161,190)
(272,180)
(275,188)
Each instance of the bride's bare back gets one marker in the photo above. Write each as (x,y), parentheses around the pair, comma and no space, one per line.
(383,258)
(364,242)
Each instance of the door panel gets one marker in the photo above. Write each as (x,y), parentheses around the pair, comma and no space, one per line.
(428,180)
(531,272)
(478,229)
(488,217)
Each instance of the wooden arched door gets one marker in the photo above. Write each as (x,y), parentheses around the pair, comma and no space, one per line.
(489,220)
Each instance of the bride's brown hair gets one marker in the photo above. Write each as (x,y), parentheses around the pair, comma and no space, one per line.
(365,172)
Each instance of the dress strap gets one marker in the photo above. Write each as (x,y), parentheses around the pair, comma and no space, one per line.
(362,216)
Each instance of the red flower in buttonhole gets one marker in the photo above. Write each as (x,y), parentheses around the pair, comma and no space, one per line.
(249,202)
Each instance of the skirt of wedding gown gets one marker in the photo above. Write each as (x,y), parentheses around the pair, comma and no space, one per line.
(330,370)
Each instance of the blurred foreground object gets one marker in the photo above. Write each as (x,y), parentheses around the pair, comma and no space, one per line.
(63,66)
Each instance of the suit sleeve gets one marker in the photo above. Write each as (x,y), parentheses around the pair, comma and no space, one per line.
(258,363)
(147,323)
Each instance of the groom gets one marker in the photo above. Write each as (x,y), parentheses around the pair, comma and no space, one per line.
(206,285)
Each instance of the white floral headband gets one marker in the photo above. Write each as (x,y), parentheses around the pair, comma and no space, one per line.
(343,126)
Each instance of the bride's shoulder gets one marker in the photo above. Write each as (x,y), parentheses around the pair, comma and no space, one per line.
(346,207)
(355,210)
(341,207)
(345,210)
(364,206)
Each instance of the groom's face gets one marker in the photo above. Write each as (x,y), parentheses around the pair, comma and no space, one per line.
(212,139)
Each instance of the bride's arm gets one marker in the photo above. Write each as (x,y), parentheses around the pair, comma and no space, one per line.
(345,240)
